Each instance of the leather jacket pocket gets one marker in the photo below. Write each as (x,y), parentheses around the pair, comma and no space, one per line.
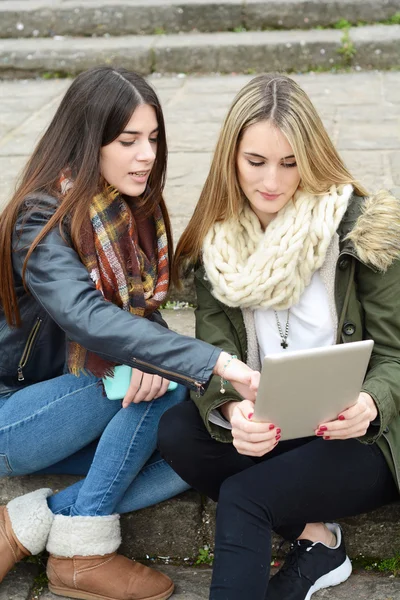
(26,354)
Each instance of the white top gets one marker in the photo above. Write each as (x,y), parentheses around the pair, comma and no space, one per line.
(310,322)
(310,326)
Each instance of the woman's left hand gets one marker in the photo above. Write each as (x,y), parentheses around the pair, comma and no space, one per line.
(144,387)
(351,423)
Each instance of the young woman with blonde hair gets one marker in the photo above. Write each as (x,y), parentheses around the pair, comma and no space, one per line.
(85,249)
(290,252)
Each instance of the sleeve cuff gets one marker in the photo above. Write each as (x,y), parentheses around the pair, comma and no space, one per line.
(216,418)
(385,414)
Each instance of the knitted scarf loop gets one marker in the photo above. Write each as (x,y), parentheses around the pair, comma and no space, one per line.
(119,267)
(251,268)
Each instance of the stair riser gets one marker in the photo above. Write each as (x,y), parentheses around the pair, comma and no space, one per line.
(179,527)
(76,18)
(376,48)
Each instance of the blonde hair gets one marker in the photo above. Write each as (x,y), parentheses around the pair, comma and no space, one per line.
(280,100)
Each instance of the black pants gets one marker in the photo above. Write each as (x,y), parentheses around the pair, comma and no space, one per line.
(299,482)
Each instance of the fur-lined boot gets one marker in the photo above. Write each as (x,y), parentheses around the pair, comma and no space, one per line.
(24,527)
(83,563)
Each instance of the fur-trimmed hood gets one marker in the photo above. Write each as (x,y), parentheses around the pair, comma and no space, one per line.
(372,226)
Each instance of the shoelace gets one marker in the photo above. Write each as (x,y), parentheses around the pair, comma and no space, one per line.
(297,549)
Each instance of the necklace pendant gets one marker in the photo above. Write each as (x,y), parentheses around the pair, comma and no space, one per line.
(284,344)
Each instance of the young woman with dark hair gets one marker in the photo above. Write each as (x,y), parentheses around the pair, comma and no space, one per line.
(85,254)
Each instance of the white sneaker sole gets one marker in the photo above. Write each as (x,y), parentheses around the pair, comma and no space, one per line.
(338,575)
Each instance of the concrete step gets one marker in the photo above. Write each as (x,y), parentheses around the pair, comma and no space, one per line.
(42,18)
(192,583)
(180,527)
(247,52)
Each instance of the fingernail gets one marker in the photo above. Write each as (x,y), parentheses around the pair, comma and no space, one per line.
(278,437)
(323,428)
(327,437)
(341,418)
(271,427)
(320,433)
(250,415)
(278,431)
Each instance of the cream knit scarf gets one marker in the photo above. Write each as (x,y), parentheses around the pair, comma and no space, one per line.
(251,268)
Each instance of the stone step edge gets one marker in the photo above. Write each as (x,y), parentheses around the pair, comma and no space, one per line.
(178,528)
(249,52)
(26,18)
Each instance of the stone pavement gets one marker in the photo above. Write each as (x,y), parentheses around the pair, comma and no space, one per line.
(360,110)
(193,584)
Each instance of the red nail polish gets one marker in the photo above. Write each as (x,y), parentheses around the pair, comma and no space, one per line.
(323,428)
(278,437)
(320,433)
(250,415)
(327,437)
(278,431)
(271,427)
(341,418)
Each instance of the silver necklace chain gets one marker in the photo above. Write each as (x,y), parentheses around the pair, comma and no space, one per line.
(283,335)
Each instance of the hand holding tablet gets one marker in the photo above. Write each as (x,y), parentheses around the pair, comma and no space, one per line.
(301,390)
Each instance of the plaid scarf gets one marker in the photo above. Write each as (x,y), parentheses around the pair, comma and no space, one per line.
(126,275)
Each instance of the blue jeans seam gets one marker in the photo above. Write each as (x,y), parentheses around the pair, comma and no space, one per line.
(108,491)
(44,409)
(6,462)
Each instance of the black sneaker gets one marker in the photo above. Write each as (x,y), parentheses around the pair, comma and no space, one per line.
(309,567)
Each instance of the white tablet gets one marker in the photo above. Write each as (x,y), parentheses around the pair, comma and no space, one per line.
(301,389)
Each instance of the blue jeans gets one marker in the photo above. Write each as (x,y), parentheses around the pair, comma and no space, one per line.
(67,425)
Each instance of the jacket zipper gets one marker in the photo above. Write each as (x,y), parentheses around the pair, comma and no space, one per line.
(28,348)
(177,375)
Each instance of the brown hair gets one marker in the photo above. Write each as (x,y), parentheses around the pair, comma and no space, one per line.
(93,112)
(282,101)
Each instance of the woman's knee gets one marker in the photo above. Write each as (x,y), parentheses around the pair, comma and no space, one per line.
(238,494)
(173,430)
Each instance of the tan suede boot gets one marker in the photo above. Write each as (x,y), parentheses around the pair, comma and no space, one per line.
(24,526)
(76,570)
(108,577)
(11,551)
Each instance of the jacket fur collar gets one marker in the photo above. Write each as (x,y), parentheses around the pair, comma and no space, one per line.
(371,229)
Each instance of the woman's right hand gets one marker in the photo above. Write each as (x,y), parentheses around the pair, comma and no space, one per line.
(251,438)
(144,387)
(243,379)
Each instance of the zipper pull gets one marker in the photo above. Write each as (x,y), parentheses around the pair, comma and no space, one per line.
(20,374)
(199,389)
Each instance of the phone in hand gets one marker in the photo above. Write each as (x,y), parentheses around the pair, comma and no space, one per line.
(117,386)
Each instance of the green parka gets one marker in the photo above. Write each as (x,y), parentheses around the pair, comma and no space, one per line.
(367,296)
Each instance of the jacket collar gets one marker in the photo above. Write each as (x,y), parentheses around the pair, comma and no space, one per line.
(370,230)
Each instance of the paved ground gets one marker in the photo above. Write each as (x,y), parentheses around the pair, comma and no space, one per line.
(193,584)
(360,110)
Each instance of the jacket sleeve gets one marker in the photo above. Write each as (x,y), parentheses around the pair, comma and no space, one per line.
(379,296)
(213,325)
(60,283)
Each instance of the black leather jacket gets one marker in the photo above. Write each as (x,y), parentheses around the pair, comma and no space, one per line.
(64,304)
